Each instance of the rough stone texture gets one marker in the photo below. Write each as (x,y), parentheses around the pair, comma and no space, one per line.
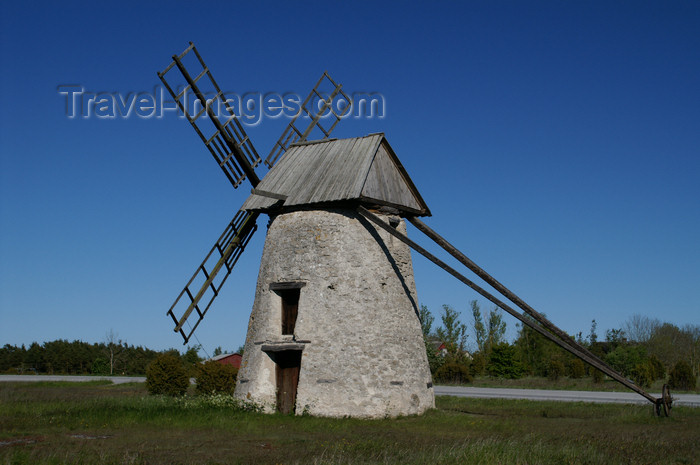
(357,320)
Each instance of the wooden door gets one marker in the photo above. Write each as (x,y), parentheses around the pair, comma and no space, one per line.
(287,373)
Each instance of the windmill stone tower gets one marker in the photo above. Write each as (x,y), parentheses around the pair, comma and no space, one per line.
(334,329)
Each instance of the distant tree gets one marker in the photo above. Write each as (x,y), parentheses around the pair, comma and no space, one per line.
(240,349)
(682,377)
(577,369)
(640,328)
(478,364)
(218,351)
(555,369)
(693,335)
(114,349)
(598,376)
(671,344)
(534,351)
(452,332)
(615,337)
(435,360)
(503,362)
(496,329)
(641,375)
(479,328)
(592,335)
(426,321)
(626,358)
(657,369)
(191,359)
(12,358)
(100,366)
(491,333)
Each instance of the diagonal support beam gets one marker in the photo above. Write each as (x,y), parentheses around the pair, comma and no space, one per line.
(526,321)
(491,281)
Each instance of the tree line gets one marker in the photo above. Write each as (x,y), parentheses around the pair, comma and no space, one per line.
(112,357)
(643,350)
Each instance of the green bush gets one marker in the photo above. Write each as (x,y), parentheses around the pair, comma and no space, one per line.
(555,369)
(577,369)
(478,364)
(167,375)
(503,362)
(598,376)
(216,378)
(625,358)
(658,371)
(681,377)
(641,375)
(100,367)
(453,373)
(435,360)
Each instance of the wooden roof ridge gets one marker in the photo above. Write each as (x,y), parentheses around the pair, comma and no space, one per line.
(323,172)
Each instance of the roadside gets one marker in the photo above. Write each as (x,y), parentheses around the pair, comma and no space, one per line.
(687,400)
(72,378)
(626,397)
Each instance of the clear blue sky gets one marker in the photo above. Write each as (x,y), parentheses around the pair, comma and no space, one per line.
(556,143)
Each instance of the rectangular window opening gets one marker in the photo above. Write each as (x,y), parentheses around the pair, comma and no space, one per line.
(290,308)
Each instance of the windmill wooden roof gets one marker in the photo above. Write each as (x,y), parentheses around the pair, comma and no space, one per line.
(362,169)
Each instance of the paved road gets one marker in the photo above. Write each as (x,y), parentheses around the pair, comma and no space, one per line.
(692,400)
(73,379)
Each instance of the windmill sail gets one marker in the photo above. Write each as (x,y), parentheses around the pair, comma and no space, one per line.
(228,144)
(292,134)
(201,290)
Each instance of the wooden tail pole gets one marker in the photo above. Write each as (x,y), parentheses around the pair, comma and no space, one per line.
(593,361)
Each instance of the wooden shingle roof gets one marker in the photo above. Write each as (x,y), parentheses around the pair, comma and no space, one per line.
(362,169)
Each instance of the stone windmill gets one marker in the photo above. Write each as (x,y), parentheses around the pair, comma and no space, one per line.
(334,329)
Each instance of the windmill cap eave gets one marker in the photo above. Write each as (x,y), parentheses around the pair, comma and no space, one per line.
(356,170)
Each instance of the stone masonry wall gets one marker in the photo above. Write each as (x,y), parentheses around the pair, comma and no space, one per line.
(363,350)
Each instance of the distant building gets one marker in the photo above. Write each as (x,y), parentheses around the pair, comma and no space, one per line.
(439,347)
(228,359)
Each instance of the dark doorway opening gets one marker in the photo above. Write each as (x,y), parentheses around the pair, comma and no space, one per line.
(290,309)
(288,364)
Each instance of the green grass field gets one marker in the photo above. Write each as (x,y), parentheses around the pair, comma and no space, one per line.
(100,423)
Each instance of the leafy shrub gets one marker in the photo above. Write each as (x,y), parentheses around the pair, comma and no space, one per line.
(641,375)
(100,366)
(625,358)
(453,373)
(577,369)
(555,369)
(656,367)
(478,364)
(214,377)
(435,360)
(681,377)
(598,376)
(167,375)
